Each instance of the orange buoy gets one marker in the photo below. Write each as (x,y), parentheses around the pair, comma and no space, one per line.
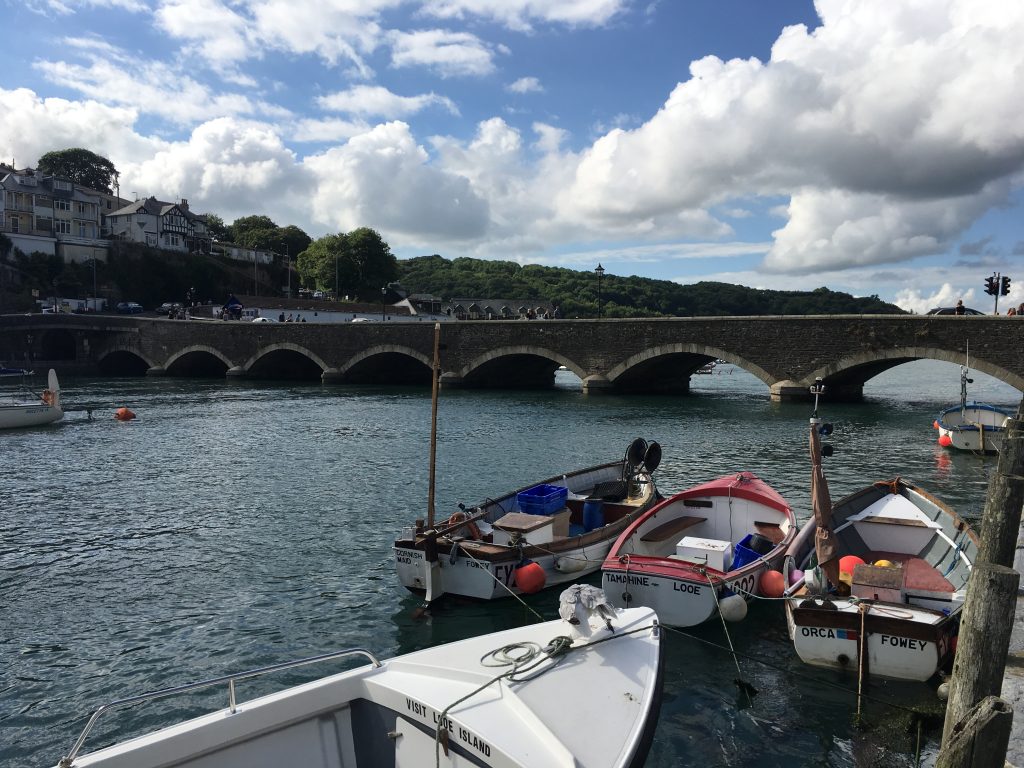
(935,424)
(123,414)
(530,577)
(846,566)
(772,583)
(945,441)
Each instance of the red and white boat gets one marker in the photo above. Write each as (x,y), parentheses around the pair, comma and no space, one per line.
(690,555)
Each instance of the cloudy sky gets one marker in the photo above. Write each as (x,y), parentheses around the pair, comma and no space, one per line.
(871,147)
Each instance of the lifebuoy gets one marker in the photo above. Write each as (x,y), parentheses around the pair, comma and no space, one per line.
(47,397)
(470,527)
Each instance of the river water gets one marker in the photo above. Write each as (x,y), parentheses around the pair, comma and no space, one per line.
(234,525)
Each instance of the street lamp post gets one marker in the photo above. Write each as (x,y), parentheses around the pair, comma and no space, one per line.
(599,270)
(95,300)
(383,311)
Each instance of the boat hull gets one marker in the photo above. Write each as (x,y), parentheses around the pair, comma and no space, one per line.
(975,427)
(24,415)
(896,648)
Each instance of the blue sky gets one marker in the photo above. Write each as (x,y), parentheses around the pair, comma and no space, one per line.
(875,148)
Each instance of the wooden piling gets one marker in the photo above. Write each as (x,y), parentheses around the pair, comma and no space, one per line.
(987,620)
(1000,522)
(983,641)
(980,741)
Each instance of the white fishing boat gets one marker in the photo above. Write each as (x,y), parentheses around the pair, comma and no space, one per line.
(538,536)
(971,426)
(580,692)
(24,409)
(881,579)
(710,549)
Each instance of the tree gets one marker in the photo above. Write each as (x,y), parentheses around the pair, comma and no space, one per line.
(242,230)
(359,263)
(215,226)
(80,166)
(316,264)
(294,240)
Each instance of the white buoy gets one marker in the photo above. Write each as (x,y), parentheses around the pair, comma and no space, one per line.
(733,608)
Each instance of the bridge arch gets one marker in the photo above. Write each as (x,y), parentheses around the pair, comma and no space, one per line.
(668,367)
(513,367)
(122,360)
(285,360)
(845,378)
(198,360)
(386,364)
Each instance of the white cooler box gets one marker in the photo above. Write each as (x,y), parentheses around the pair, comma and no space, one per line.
(714,553)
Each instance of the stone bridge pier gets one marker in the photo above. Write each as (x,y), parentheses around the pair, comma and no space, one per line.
(622,356)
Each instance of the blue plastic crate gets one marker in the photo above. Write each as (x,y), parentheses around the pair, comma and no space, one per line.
(542,499)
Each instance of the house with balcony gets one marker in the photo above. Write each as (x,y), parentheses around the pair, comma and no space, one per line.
(158,224)
(41,213)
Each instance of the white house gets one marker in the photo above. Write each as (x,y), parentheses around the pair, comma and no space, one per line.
(168,226)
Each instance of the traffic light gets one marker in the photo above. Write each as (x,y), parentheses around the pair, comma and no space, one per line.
(1004,286)
(991,286)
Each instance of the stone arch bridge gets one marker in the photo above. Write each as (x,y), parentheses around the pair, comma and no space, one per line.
(626,356)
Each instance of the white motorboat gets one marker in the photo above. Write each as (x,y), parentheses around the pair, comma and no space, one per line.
(971,426)
(23,409)
(580,692)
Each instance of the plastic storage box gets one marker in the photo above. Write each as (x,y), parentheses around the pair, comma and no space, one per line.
(542,499)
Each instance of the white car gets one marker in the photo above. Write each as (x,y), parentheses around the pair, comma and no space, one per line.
(263,320)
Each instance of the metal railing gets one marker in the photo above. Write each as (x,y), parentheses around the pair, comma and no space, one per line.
(68,760)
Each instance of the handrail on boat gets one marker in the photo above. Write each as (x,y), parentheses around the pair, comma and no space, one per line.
(68,760)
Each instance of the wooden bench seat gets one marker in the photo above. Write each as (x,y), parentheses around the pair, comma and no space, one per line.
(671,528)
(771,531)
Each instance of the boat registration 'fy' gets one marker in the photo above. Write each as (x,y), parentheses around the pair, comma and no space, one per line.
(467,737)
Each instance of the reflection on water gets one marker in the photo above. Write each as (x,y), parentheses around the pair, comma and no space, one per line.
(234,525)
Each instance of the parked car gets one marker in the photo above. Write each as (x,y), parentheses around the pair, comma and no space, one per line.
(952,311)
(168,307)
(129,308)
(263,320)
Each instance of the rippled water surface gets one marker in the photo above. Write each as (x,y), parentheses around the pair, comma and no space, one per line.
(236,525)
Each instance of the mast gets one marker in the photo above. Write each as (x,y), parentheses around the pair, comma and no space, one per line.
(435,380)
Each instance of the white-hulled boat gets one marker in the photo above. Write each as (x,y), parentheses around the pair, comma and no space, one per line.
(885,574)
(555,694)
(971,426)
(690,553)
(23,410)
(539,536)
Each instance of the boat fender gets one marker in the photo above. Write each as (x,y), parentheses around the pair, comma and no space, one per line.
(47,397)
(945,441)
(733,608)
(569,564)
(123,414)
(529,577)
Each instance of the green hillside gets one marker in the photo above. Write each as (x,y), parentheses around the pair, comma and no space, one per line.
(577,292)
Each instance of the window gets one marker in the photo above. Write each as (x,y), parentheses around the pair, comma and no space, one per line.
(15,224)
(171,239)
(62,226)
(61,184)
(44,224)
(82,207)
(83,229)
(61,205)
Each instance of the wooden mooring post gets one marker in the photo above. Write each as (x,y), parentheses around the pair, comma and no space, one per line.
(977,726)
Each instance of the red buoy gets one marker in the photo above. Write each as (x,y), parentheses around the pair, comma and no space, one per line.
(123,414)
(530,577)
(945,441)
(772,584)
(846,566)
